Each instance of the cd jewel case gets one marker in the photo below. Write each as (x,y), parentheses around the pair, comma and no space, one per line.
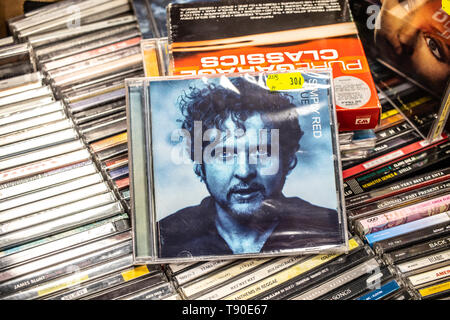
(243,165)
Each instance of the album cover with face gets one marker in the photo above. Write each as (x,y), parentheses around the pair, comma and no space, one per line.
(412,40)
(236,166)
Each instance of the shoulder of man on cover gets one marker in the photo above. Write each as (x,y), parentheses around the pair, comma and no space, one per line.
(299,205)
(188,216)
(292,206)
(301,210)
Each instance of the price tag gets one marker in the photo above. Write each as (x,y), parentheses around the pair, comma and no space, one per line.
(285,81)
(446,6)
(135,273)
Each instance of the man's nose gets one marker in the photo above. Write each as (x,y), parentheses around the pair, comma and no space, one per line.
(242,168)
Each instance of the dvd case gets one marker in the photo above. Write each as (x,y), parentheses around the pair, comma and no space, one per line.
(239,148)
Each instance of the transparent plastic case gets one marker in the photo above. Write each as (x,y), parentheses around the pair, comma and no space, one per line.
(234,166)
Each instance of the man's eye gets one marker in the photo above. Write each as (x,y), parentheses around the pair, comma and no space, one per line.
(435,48)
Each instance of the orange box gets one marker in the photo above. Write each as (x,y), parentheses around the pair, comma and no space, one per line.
(278,36)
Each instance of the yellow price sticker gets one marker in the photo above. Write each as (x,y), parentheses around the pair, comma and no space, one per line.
(285,81)
(135,273)
(446,6)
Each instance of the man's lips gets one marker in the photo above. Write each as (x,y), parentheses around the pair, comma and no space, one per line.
(246,193)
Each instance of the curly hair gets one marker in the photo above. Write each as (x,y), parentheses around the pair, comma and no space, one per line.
(213,105)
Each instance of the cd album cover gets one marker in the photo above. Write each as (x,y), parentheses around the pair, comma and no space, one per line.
(242,165)
(413,39)
(278,36)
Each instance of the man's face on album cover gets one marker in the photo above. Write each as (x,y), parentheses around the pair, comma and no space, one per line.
(416,35)
(246,173)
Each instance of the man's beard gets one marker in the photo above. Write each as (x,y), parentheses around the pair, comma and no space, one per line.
(249,205)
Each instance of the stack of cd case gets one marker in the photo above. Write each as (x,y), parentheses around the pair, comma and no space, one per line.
(407,225)
(357,275)
(86,68)
(16,59)
(397,199)
(58,216)
(406,221)
(75,42)
(60,19)
(66,235)
(61,224)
